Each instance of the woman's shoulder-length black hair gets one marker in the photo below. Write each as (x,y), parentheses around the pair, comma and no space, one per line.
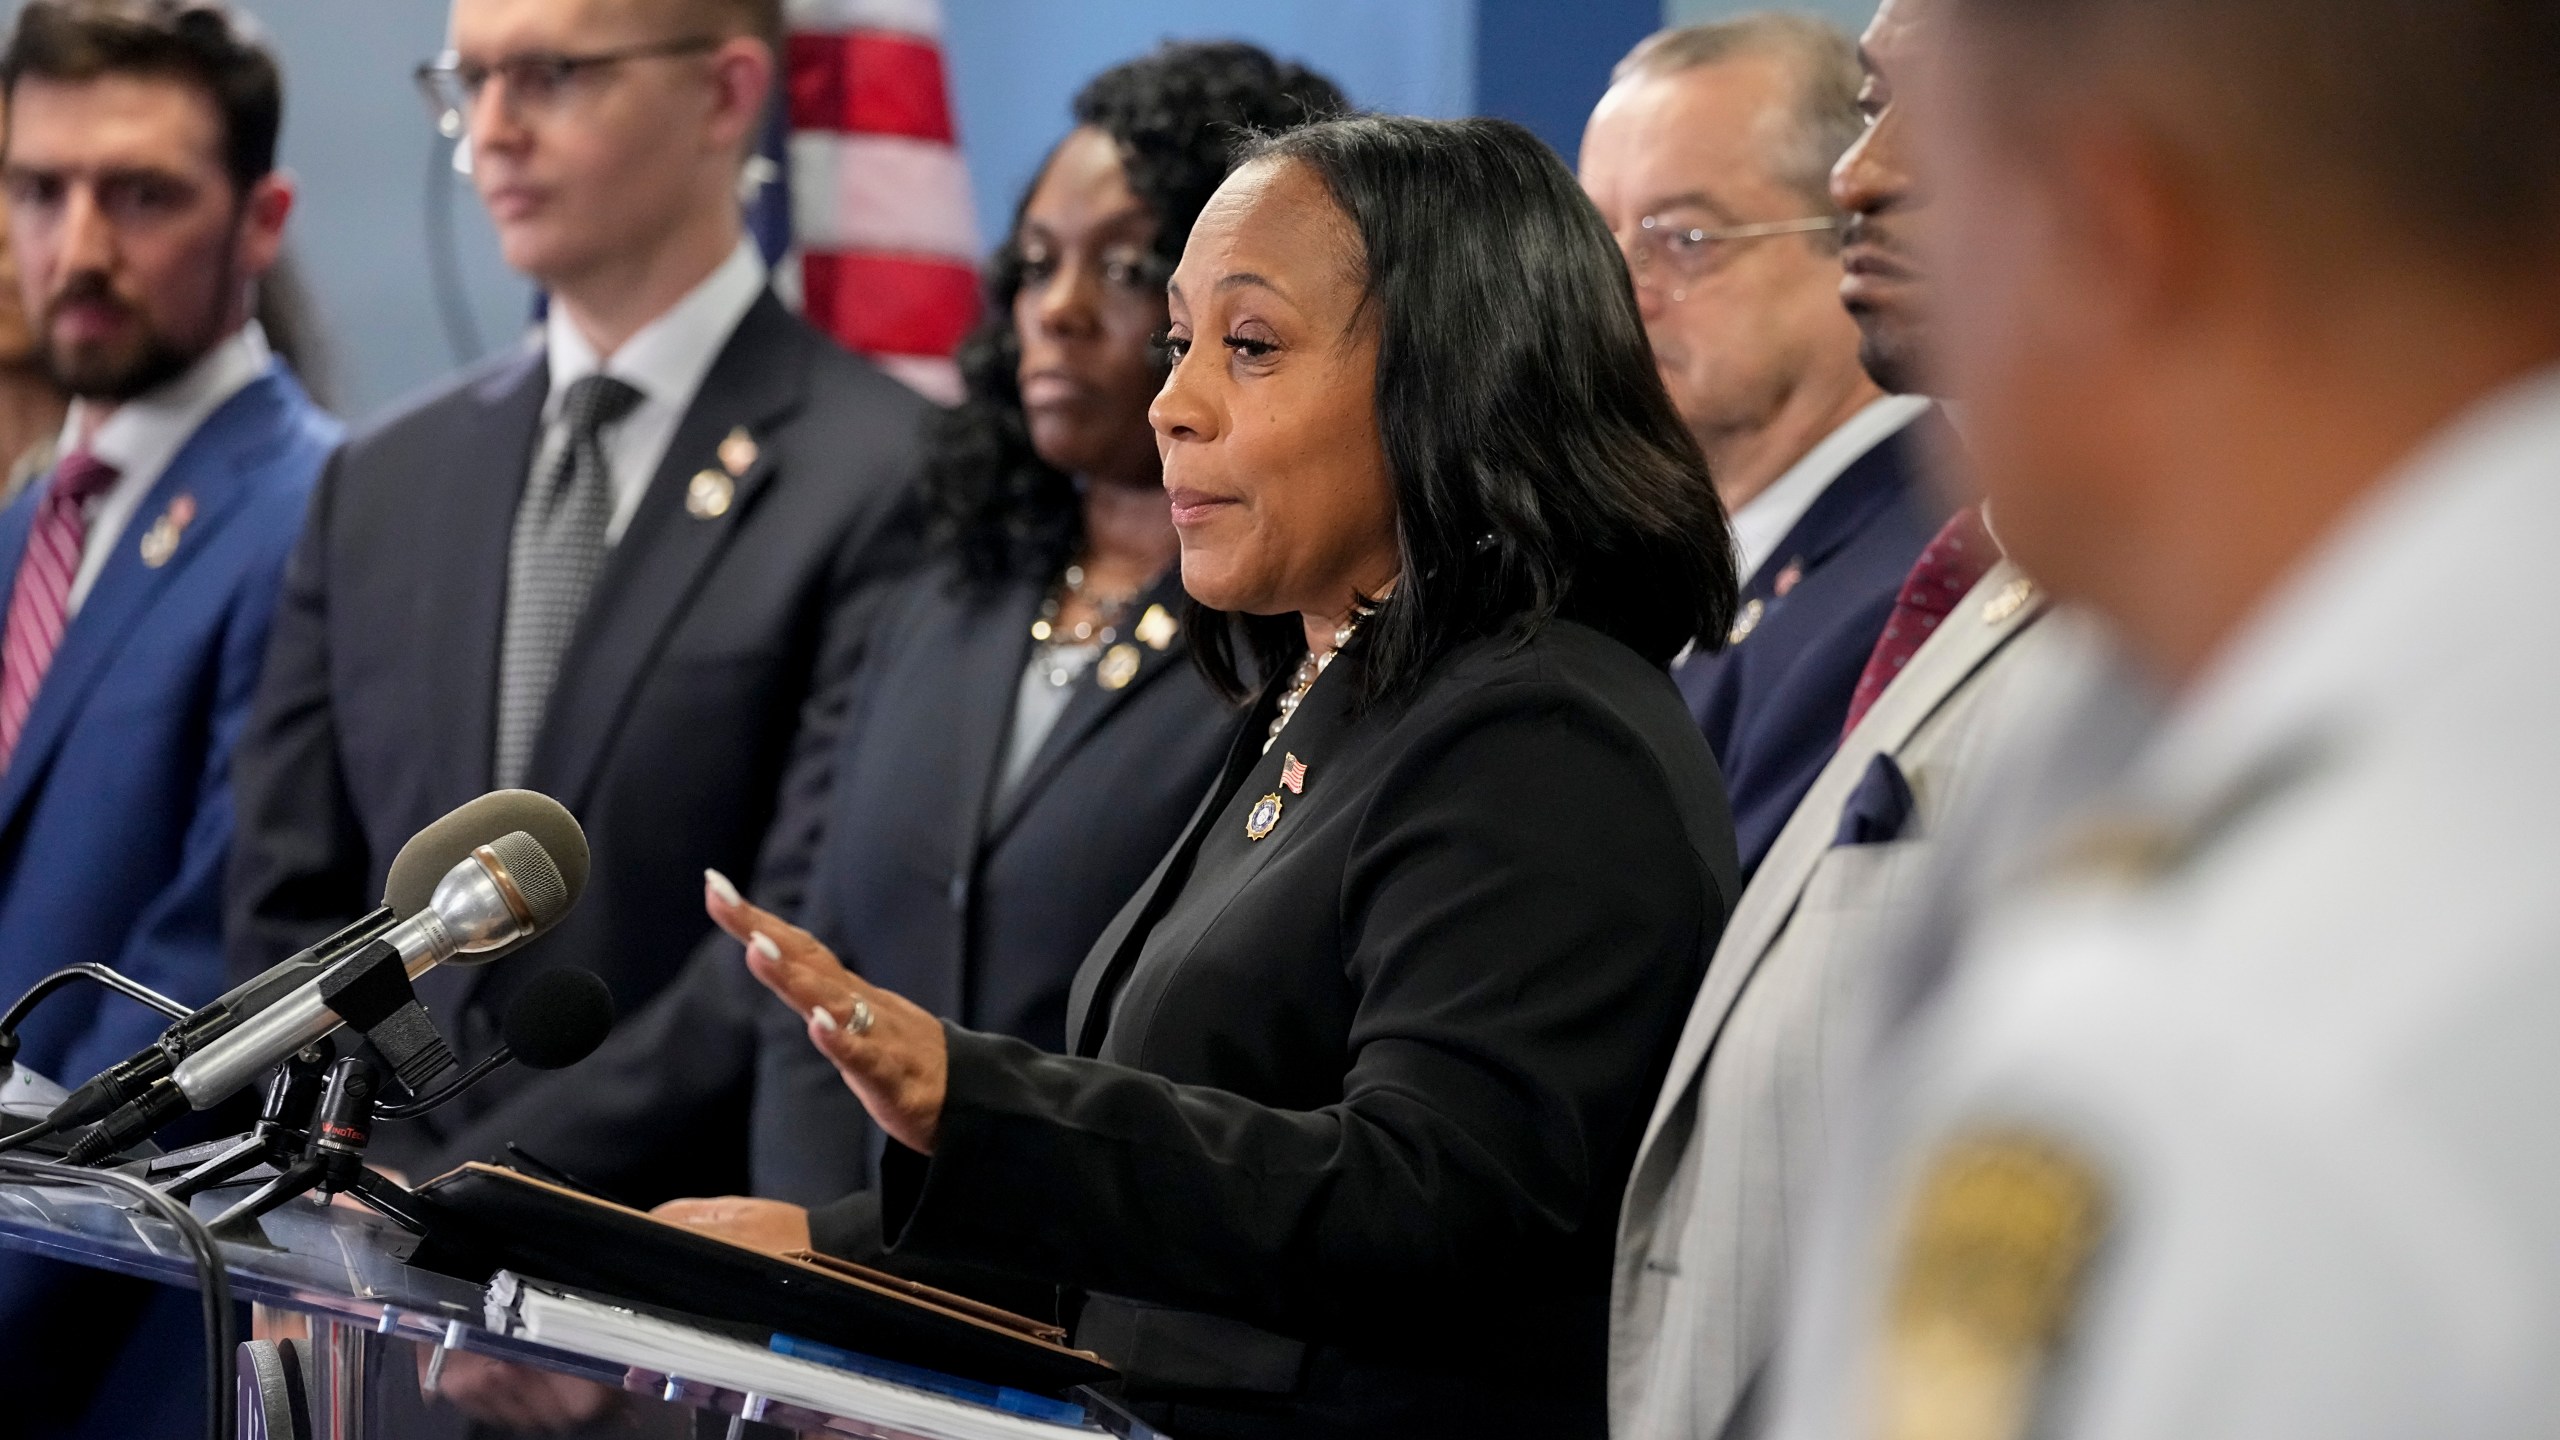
(1539,467)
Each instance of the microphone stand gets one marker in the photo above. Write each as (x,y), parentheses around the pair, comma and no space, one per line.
(283,1130)
(331,1161)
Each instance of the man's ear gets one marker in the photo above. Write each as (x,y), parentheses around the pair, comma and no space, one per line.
(263,212)
(742,71)
(2144,216)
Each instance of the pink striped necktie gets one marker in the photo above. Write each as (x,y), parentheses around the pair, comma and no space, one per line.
(40,605)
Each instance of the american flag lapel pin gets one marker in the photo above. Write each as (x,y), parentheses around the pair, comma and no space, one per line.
(1265,815)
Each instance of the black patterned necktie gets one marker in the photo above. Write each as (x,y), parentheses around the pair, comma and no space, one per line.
(552,565)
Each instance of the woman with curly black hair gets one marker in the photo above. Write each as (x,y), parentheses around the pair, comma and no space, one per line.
(1025,736)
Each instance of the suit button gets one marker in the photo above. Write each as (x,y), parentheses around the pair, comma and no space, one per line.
(959,892)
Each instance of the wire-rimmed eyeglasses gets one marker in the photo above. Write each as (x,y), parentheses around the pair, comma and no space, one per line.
(536,82)
(1671,256)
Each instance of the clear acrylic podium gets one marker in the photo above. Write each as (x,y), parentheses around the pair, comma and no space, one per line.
(344,1269)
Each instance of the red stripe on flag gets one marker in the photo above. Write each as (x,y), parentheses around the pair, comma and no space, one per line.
(889,304)
(869,83)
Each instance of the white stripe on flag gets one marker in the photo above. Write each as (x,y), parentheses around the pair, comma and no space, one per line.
(914,17)
(880,192)
(930,376)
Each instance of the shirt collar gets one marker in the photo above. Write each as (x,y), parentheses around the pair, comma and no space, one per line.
(665,359)
(1761,525)
(144,433)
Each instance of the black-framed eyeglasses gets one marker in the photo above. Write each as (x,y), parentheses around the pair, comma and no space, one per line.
(1671,255)
(536,81)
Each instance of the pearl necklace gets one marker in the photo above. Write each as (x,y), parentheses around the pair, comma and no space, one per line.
(1308,669)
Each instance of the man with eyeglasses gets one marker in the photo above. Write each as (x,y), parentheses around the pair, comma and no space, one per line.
(625,567)
(1708,157)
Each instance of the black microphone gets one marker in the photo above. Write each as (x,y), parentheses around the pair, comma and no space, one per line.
(557,1020)
(425,860)
(502,894)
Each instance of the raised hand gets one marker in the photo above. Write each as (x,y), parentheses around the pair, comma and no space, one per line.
(890,1051)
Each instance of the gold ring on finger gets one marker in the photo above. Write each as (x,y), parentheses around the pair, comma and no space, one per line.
(858,1016)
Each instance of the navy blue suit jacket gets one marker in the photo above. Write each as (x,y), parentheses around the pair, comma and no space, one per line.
(681,698)
(1772,704)
(115,821)
(115,812)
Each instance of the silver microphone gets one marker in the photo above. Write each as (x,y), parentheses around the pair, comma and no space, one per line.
(507,891)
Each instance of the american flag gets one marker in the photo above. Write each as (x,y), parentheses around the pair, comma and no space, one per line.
(870,225)
(1293,774)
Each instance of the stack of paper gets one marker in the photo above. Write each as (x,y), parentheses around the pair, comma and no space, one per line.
(529,1311)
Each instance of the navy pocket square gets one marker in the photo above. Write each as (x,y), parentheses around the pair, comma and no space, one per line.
(1879,808)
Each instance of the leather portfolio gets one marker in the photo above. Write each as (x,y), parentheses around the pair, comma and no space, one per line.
(485,1218)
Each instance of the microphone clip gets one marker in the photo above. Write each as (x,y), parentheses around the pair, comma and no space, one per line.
(371,991)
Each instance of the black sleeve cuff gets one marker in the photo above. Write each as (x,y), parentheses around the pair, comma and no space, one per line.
(849,1229)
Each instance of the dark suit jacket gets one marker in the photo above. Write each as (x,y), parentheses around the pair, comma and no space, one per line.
(674,717)
(1350,1106)
(922,880)
(1772,705)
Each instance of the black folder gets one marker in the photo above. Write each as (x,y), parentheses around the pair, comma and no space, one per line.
(484,1218)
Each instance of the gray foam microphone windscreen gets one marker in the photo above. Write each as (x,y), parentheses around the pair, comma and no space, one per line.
(449,841)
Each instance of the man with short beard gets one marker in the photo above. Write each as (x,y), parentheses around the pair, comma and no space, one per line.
(144,206)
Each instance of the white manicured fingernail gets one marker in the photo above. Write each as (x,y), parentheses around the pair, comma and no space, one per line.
(721,887)
(820,1017)
(762,944)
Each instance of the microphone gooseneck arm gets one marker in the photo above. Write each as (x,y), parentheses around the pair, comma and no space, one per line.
(130,989)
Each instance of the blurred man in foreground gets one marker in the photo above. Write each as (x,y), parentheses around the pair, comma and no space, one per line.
(2226,1124)
(144,206)
(1767,1064)
(1708,159)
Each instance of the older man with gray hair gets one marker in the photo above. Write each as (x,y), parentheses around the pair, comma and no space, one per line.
(1709,157)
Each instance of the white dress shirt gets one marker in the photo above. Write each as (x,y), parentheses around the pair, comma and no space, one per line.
(664,360)
(142,435)
(1761,525)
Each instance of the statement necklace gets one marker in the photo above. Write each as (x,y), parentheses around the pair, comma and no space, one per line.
(1308,669)
(1061,669)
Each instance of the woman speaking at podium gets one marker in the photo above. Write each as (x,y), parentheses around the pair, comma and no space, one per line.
(1354,1082)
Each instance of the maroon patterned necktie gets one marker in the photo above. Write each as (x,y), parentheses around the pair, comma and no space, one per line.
(40,605)
(1948,566)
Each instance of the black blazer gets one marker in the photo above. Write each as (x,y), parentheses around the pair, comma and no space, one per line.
(1340,1146)
(917,877)
(675,713)
(1772,703)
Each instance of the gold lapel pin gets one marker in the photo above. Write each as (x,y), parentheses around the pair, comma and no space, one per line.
(738,452)
(707,495)
(1264,815)
(1156,628)
(2013,597)
(1118,666)
(1745,623)
(161,540)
